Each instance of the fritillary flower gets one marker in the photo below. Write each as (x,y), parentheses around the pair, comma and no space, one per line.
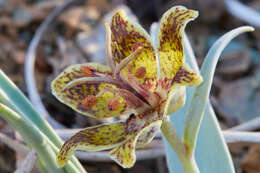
(145,80)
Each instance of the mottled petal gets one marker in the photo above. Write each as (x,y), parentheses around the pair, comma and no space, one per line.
(147,135)
(76,72)
(124,154)
(96,138)
(176,99)
(177,96)
(82,87)
(127,36)
(132,102)
(170,39)
(186,76)
(97,98)
(142,89)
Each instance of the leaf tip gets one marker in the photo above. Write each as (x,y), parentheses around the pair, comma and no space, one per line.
(247,28)
(251,29)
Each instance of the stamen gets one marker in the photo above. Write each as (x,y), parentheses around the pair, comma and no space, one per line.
(89,101)
(92,80)
(140,72)
(136,45)
(108,48)
(113,104)
(117,53)
(127,60)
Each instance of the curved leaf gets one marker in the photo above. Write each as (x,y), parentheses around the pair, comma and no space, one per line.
(211,151)
(200,97)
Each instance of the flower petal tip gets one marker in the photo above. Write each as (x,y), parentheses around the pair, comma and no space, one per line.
(124,154)
(191,14)
(61,161)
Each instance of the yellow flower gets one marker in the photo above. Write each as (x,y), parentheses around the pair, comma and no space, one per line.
(144,79)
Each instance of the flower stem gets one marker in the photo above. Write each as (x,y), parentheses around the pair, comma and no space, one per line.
(187,161)
(172,137)
(189,165)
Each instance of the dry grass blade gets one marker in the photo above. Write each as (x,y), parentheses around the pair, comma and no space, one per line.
(236,136)
(30,61)
(28,163)
(13,144)
(248,126)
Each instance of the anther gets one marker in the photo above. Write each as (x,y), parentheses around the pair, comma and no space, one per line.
(88,71)
(136,45)
(89,101)
(113,104)
(140,72)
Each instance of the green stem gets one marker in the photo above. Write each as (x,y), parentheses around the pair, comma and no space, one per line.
(42,166)
(169,132)
(32,137)
(11,96)
(187,161)
(189,165)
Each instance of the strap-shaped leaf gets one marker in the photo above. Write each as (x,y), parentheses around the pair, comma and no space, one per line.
(14,98)
(200,97)
(127,36)
(210,133)
(170,39)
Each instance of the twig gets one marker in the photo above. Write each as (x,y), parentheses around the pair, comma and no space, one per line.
(28,163)
(248,126)
(155,150)
(236,136)
(30,61)
(104,156)
(13,144)
(160,165)
(243,12)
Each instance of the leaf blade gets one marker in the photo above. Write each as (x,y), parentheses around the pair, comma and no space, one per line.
(205,161)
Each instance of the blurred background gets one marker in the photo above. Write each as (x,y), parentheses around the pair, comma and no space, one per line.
(78,36)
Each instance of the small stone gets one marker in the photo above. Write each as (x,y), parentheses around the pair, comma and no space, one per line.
(22,17)
(234,64)
(93,42)
(240,99)
(250,163)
